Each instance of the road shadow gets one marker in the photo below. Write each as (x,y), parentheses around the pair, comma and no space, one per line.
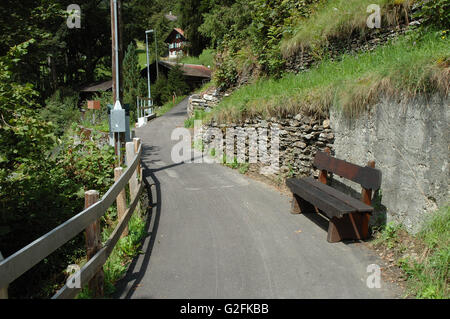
(153,189)
(138,267)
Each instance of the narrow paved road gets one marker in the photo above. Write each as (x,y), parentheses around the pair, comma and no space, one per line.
(214,233)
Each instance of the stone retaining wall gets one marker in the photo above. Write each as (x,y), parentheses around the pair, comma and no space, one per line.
(409,143)
(203,102)
(299,139)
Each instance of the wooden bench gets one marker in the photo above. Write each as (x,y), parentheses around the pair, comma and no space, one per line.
(348,217)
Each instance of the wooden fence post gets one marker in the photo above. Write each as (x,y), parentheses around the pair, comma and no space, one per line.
(137,143)
(121,200)
(94,244)
(134,185)
(133,179)
(4,290)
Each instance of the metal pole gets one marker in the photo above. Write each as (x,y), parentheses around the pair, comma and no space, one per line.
(156,54)
(116,40)
(148,66)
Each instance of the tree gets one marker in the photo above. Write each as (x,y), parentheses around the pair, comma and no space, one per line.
(160,91)
(59,56)
(133,84)
(191,19)
(175,81)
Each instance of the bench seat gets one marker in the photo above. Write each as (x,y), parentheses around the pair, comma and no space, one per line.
(348,217)
(330,201)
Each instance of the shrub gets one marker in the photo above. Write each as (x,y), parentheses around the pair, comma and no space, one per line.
(160,91)
(61,109)
(175,81)
(435,13)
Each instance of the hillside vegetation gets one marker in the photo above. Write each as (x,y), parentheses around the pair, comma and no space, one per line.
(408,67)
(415,62)
(341,19)
(424,258)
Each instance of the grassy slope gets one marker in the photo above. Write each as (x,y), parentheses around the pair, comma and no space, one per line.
(339,18)
(407,67)
(423,258)
(206,58)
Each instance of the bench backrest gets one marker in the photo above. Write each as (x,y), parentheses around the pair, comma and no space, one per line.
(367,177)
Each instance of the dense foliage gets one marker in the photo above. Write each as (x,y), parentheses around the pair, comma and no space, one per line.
(247,35)
(435,13)
(42,179)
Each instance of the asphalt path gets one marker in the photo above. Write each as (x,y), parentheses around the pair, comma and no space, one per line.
(214,233)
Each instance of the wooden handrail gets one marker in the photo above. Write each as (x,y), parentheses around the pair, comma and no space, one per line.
(21,261)
(98,260)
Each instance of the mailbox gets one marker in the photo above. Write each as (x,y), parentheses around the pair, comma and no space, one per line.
(118,121)
(94,105)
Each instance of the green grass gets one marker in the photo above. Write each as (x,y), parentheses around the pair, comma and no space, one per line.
(142,53)
(339,19)
(206,58)
(427,273)
(121,256)
(414,64)
(126,248)
(101,126)
(169,105)
(204,87)
(198,115)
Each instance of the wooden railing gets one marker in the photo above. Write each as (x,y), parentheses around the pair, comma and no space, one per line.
(18,263)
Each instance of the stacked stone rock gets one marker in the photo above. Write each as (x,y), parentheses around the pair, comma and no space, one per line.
(300,137)
(202,102)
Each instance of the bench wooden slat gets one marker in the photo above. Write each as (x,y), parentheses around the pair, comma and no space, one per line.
(331,206)
(353,202)
(367,177)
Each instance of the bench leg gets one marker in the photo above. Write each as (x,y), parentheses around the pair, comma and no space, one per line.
(300,206)
(350,226)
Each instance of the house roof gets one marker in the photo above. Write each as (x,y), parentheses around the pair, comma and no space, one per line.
(98,86)
(179,31)
(175,30)
(195,70)
(189,70)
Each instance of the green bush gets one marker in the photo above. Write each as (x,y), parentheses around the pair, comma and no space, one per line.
(61,109)
(226,73)
(160,92)
(175,81)
(247,35)
(435,13)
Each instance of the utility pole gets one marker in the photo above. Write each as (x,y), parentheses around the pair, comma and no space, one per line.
(156,57)
(116,37)
(148,64)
